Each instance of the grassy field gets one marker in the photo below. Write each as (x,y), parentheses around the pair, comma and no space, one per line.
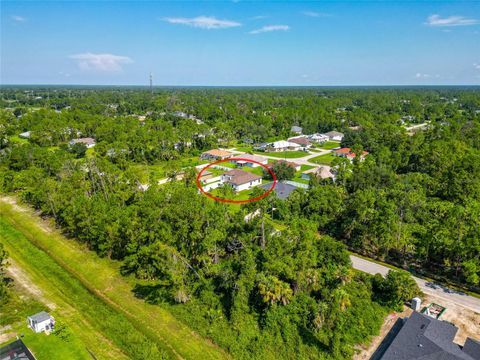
(323,159)
(63,344)
(297,178)
(245,148)
(93,289)
(284,154)
(305,168)
(155,172)
(330,145)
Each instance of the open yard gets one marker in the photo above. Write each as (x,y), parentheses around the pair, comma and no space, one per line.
(155,172)
(98,302)
(323,159)
(330,145)
(64,344)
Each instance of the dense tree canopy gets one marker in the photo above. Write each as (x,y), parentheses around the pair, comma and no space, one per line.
(281,283)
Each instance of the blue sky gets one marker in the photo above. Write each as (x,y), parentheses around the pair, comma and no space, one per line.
(240,42)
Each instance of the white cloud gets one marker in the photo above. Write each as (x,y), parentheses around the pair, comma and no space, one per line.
(436,20)
(313,14)
(204,22)
(270,28)
(422,76)
(18,18)
(476,66)
(259,17)
(101,62)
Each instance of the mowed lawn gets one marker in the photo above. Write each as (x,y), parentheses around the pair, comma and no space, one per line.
(323,159)
(93,288)
(64,343)
(330,145)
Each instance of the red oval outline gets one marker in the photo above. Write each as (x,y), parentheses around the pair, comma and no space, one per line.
(236,201)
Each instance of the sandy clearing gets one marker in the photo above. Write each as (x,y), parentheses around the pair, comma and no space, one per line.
(24,281)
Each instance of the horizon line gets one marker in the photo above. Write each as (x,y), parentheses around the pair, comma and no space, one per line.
(240,86)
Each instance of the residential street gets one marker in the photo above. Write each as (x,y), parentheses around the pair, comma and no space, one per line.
(439,291)
(301,160)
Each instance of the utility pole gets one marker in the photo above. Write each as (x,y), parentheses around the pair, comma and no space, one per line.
(151,84)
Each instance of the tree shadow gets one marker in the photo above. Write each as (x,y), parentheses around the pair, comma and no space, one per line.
(153,294)
(387,341)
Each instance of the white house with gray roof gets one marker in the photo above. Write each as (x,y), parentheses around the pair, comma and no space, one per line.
(41,321)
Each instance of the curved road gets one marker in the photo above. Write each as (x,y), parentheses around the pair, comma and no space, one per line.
(440,291)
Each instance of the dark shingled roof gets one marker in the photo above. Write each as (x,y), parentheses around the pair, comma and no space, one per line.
(425,338)
(282,190)
(472,348)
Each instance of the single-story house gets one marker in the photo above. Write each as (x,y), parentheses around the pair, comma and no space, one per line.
(334,135)
(282,190)
(216,154)
(261,146)
(282,145)
(41,321)
(302,141)
(257,158)
(296,166)
(206,175)
(241,180)
(25,135)
(423,337)
(347,153)
(323,172)
(296,130)
(319,138)
(88,142)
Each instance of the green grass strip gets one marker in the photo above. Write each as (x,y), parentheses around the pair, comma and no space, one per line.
(95,287)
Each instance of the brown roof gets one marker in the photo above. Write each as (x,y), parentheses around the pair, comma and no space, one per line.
(300,141)
(343,151)
(218,152)
(240,177)
(289,163)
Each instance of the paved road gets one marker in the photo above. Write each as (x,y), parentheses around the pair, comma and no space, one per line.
(301,160)
(427,287)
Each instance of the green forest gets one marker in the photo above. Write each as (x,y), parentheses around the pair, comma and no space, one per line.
(280,285)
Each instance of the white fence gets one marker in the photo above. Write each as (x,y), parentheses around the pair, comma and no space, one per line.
(296,184)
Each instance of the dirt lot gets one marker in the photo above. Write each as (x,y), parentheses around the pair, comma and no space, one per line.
(467,321)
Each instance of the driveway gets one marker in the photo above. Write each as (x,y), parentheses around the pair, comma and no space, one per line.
(434,289)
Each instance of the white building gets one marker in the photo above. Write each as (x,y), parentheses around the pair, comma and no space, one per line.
(319,138)
(334,135)
(25,135)
(250,160)
(241,180)
(283,145)
(297,130)
(41,321)
(88,142)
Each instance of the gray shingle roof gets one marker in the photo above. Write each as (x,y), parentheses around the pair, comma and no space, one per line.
(425,338)
(472,348)
(40,317)
(282,190)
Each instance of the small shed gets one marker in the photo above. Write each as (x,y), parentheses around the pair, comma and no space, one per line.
(416,303)
(41,321)
(296,129)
